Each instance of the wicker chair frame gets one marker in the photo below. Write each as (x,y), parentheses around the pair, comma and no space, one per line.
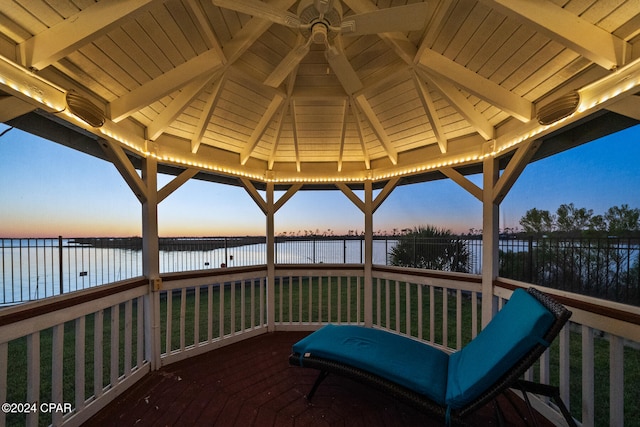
(457,417)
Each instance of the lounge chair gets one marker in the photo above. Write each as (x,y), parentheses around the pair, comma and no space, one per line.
(450,386)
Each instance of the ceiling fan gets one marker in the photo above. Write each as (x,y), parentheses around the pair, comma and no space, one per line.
(320,21)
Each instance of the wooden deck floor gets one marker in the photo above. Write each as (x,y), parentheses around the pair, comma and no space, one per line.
(251,384)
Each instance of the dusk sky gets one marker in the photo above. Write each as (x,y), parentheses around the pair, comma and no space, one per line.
(48,190)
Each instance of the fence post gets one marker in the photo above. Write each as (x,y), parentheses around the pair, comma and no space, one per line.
(60,263)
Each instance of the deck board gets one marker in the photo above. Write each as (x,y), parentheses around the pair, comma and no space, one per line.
(250,383)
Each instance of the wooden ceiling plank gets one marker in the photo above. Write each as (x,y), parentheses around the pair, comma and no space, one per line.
(377,127)
(177,106)
(167,83)
(483,88)
(461,104)
(51,45)
(194,8)
(431,112)
(570,30)
(261,127)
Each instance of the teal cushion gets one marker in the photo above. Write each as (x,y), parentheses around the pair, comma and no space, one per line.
(512,333)
(417,366)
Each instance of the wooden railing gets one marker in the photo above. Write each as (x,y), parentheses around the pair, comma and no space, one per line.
(104,339)
(93,339)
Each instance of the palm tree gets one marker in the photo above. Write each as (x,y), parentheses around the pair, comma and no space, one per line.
(431,248)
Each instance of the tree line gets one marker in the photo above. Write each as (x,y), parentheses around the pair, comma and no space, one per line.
(616,221)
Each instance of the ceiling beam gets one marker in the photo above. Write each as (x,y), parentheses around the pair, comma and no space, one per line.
(12,107)
(245,37)
(294,126)
(276,138)
(207,62)
(60,40)
(397,41)
(564,27)
(458,101)
(286,196)
(350,195)
(207,112)
(365,152)
(177,106)
(483,88)
(176,183)
(431,112)
(514,169)
(204,25)
(629,106)
(462,181)
(343,131)
(377,127)
(386,191)
(119,158)
(261,127)
(253,192)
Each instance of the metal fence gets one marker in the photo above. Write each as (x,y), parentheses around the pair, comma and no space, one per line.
(32,269)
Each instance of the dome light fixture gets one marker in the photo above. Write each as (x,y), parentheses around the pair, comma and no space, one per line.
(558,109)
(85,110)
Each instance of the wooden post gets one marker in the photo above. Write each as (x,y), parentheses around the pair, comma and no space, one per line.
(271,268)
(368,253)
(490,235)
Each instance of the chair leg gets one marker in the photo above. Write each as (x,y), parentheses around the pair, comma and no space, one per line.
(321,377)
(549,391)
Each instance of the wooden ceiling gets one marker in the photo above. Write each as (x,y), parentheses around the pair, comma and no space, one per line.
(184,80)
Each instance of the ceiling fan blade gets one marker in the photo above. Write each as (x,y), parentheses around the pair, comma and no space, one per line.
(261,10)
(286,66)
(343,69)
(402,18)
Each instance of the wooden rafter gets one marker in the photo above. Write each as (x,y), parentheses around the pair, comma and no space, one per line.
(177,106)
(294,126)
(207,112)
(513,170)
(351,195)
(165,84)
(176,183)
(463,182)
(55,43)
(119,158)
(386,191)
(251,189)
(579,35)
(365,152)
(461,104)
(377,127)
(431,112)
(483,88)
(286,196)
(276,138)
(261,127)
(343,131)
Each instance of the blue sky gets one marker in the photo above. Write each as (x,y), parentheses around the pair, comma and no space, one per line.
(49,190)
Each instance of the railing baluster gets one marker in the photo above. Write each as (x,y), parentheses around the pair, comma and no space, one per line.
(4,359)
(407,308)
(420,318)
(588,384)
(128,336)
(183,311)
(140,335)
(33,375)
(565,367)
(196,317)
(80,331)
(115,345)
(209,313)
(221,310)
(169,315)
(458,319)
(232,308)
(242,306)
(616,381)
(396,286)
(432,314)
(445,318)
(98,327)
(57,358)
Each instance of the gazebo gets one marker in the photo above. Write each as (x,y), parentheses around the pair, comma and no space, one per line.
(290,95)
